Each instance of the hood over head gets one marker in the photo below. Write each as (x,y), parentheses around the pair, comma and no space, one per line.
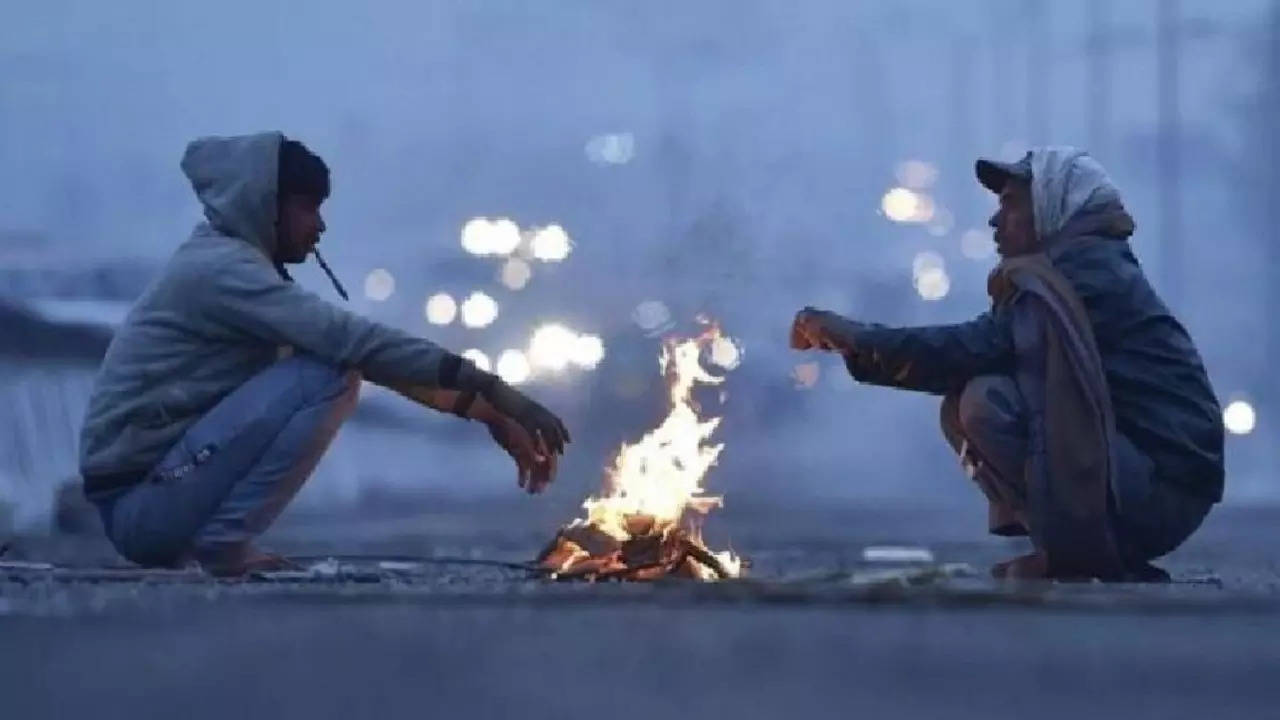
(235,179)
(1072,194)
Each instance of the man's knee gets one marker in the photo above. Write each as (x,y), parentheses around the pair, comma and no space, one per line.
(989,403)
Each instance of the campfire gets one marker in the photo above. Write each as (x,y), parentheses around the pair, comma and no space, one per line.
(647,522)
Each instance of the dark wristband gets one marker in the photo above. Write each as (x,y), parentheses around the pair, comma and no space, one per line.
(462,404)
(458,373)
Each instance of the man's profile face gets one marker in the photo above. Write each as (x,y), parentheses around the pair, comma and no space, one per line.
(1014,221)
(298,229)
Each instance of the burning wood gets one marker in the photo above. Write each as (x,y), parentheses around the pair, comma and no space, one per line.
(646,525)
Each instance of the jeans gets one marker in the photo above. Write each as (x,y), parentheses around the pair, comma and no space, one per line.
(988,422)
(236,468)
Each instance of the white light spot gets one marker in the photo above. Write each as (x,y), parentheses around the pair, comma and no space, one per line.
(907,206)
(916,174)
(479,359)
(379,285)
(479,310)
(588,351)
(933,284)
(725,353)
(513,367)
(927,260)
(929,275)
(551,244)
(977,245)
(652,316)
(899,204)
(482,236)
(440,309)
(1239,418)
(515,274)
(551,347)
(611,148)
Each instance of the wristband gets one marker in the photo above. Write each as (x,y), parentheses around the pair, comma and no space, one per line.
(462,404)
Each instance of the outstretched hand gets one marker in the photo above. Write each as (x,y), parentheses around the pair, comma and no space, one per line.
(531,434)
(542,425)
(809,331)
(535,463)
(815,329)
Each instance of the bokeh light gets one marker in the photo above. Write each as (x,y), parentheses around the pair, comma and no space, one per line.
(479,359)
(725,353)
(513,367)
(1239,417)
(653,316)
(611,148)
(899,204)
(515,274)
(379,284)
(929,275)
(976,244)
(902,205)
(926,260)
(588,351)
(440,309)
(479,310)
(552,347)
(933,284)
(482,236)
(916,174)
(550,244)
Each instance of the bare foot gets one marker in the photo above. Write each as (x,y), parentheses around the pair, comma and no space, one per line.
(247,561)
(1032,566)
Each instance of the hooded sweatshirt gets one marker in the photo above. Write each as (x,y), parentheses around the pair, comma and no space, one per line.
(217,315)
(1160,393)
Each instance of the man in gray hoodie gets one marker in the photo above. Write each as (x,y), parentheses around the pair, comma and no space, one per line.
(1078,403)
(227,382)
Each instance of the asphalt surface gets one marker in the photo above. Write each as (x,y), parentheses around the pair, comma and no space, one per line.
(425,620)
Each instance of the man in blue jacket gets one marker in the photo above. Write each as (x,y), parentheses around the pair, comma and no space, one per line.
(227,382)
(1078,403)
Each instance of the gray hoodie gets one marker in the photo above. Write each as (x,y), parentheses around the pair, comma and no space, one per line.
(217,315)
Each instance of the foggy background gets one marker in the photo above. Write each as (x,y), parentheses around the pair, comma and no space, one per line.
(724,158)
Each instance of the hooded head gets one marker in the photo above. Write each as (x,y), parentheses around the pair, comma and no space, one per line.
(263,189)
(1052,193)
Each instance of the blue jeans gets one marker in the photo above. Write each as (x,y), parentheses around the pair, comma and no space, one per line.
(235,469)
(988,420)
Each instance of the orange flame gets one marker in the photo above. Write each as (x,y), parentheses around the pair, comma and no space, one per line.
(661,475)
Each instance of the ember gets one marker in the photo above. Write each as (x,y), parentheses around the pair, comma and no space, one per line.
(647,524)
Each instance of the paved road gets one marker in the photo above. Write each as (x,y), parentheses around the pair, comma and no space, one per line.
(814,636)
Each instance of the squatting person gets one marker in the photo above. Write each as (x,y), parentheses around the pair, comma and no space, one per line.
(1078,403)
(227,382)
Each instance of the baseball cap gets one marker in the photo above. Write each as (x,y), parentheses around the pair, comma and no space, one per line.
(994,173)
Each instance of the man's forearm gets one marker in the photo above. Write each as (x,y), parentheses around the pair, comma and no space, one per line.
(839,332)
(447,401)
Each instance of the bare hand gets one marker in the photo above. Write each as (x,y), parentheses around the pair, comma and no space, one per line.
(535,462)
(806,330)
(540,423)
